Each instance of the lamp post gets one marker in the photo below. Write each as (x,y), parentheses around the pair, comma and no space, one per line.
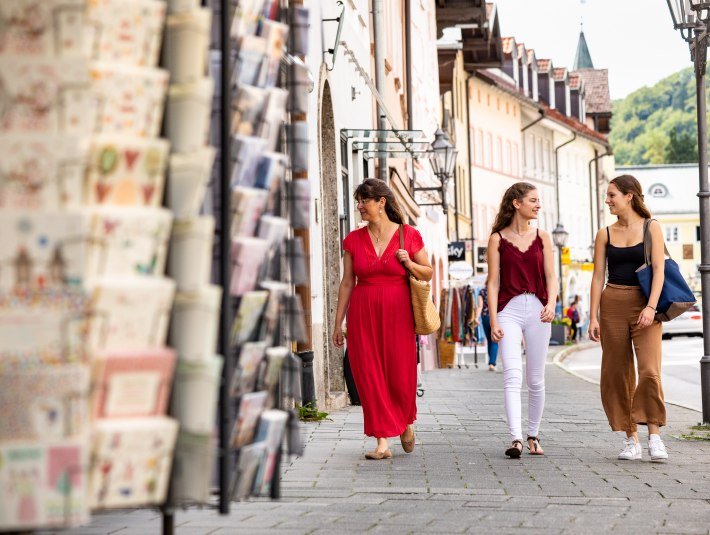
(559,238)
(691,18)
(443,158)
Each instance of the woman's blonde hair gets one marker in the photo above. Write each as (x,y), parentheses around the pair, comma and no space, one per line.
(506,212)
(628,184)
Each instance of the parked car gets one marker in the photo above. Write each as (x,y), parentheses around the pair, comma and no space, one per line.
(688,323)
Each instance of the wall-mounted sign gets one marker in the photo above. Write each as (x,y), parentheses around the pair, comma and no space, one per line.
(457,251)
(566,260)
(460,270)
(482,255)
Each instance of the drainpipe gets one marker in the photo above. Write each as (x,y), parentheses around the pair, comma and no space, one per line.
(595,161)
(378,27)
(542,116)
(408,61)
(470,175)
(557,173)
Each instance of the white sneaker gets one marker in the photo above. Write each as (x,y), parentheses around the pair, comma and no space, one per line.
(656,448)
(632,450)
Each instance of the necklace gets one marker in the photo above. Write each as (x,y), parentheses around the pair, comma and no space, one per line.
(628,226)
(377,238)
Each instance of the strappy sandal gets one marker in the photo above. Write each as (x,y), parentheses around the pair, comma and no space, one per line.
(514,452)
(536,449)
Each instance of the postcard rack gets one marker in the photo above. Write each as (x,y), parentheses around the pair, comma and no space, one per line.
(127,276)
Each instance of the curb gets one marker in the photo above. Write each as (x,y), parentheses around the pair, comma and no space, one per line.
(560,357)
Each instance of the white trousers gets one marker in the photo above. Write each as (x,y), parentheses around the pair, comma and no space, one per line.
(521,319)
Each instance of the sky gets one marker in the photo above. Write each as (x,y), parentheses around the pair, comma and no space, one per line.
(634,39)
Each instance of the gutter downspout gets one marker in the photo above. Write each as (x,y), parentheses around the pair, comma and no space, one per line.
(470,175)
(595,160)
(378,29)
(408,61)
(557,173)
(542,116)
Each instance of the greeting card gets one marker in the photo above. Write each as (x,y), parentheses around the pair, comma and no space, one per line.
(130,313)
(187,117)
(186,43)
(43,484)
(272,425)
(130,99)
(48,402)
(196,389)
(250,458)
(192,468)
(42,249)
(126,31)
(128,241)
(250,408)
(251,359)
(132,383)
(189,175)
(249,314)
(195,322)
(126,170)
(247,256)
(190,259)
(42,28)
(42,327)
(41,172)
(46,96)
(247,206)
(130,461)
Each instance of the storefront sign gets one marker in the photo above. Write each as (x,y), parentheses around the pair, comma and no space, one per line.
(566,256)
(460,270)
(457,251)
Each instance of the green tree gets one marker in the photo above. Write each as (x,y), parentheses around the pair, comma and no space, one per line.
(681,148)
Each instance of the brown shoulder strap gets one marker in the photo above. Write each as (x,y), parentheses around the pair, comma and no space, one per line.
(401,236)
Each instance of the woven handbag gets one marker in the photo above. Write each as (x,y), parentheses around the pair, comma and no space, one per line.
(426,317)
(676,296)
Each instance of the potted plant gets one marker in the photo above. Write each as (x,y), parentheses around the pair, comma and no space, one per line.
(560,329)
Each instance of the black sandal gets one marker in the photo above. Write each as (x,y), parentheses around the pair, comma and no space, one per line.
(514,452)
(536,449)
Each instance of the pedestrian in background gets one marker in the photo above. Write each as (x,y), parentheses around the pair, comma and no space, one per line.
(374,294)
(573,315)
(484,319)
(522,290)
(624,320)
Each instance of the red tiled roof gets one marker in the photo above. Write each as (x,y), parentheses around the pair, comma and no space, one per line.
(559,74)
(508,44)
(531,56)
(543,65)
(596,84)
(550,113)
(575,80)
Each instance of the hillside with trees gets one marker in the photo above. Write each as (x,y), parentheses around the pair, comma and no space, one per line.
(656,125)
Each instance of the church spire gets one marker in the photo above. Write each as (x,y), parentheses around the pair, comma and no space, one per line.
(582,59)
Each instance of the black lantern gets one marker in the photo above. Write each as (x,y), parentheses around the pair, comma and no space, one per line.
(444,158)
(559,236)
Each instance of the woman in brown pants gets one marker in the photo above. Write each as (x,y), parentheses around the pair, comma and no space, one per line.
(623,319)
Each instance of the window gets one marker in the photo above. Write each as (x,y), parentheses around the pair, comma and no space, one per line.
(529,153)
(658,191)
(498,157)
(538,154)
(546,162)
(672,233)
(479,147)
(516,162)
(488,151)
(507,158)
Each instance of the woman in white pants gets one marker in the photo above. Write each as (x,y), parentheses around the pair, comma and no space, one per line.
(522,290)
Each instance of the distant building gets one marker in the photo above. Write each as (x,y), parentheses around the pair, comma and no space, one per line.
(670,192)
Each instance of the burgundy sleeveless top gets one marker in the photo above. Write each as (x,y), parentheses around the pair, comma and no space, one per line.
(521,271)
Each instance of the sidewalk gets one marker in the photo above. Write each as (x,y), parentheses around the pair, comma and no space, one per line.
(458,480)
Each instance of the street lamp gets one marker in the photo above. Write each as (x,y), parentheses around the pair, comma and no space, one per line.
(691,18)
(443,160)
(559,238)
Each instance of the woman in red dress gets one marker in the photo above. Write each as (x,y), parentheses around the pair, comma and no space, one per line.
(374,293)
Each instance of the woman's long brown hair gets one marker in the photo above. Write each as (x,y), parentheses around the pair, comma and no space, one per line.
(373,188)
(628,184)
(506,212)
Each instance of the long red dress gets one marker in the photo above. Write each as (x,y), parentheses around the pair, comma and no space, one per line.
(381,340)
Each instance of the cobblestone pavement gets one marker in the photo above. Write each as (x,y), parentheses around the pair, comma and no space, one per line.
(458,480)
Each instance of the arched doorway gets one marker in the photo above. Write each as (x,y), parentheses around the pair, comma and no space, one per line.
(332,356)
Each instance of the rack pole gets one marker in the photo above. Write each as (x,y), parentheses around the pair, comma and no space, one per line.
(225,412)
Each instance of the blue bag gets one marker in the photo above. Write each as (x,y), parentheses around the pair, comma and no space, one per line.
(676,296)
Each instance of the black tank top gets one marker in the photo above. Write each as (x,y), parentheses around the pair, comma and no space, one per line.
(623,262)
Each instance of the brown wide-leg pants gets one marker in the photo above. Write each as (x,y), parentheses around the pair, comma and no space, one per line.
(625,403)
